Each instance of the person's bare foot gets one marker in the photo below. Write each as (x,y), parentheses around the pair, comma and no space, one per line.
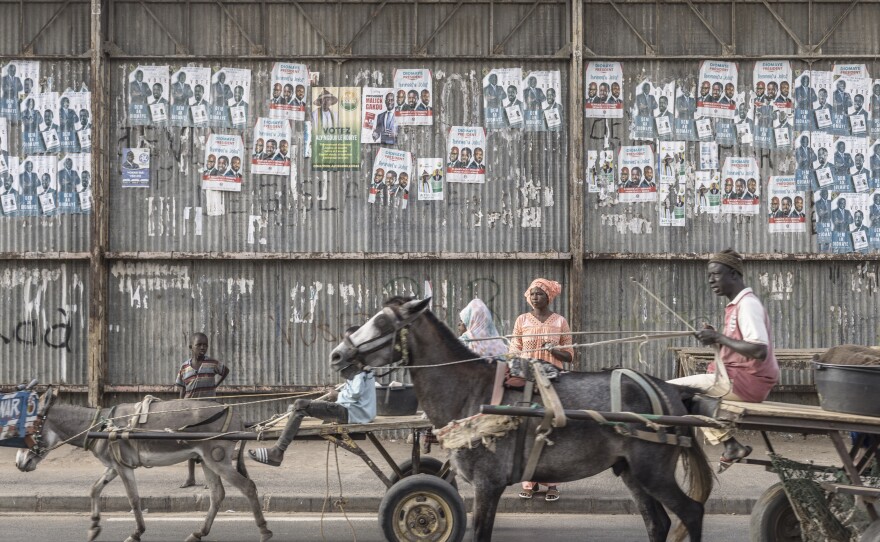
(188,483)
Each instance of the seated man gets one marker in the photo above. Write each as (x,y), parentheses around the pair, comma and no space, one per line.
(746,368)
(356,403)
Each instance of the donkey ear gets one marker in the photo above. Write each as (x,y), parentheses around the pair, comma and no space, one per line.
(416,305)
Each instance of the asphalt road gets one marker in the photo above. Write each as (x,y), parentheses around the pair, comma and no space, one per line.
(301,527)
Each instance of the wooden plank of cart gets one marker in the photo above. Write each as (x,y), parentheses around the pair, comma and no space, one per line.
(773,517)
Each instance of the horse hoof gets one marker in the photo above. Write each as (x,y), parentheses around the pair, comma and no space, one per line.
(93,533)
(195,537)
(265,535)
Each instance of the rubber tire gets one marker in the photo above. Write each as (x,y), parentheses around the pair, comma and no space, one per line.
(773,517)
(413,490)
(427,465)
(872,533)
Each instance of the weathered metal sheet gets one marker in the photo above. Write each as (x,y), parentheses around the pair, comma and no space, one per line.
(810,305)
(49,28)
(275,323)
(43,317)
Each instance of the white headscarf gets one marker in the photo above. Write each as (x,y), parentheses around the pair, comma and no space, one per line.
(477,318)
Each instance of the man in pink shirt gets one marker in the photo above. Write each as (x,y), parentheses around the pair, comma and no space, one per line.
(747,369)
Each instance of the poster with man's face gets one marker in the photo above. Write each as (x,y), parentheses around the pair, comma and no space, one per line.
(636,181)
(741,193)
(430,172)
(289,87)
(717,89)
(230,98)
(501,89)
(391,178)
(190,95)
(74,170)
(541,101)
(75,121)
(271,153)
(224,159)
(786,205)
(604,90)
(18,78)
(466,152)
(148,95)
(378,122)
(417,90)
(39,127)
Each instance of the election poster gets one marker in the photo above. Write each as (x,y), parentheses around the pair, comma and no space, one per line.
(600,171)
(416,88)
(336,121)
(804,156)
(805,101)
(704,129)
(772,80)
(822,211)
(744,121)
(72,170)
(604,88)
(39,129)
(9,188)
(541,95)
(822,145)
(874,110)
(874,219)
(228,98)
(430,171)
(707,188)
(378,122)
(685,111)
(849,233)
(290,90)
(392,170)
(75,121)
(271,153)
(847,78)
(727,131)
(874,164)
(635,174)
(644,108)
(4,146)
(500,92)
(786,211)
(190,96)
(671,207)
(18,78)
(36,177)
(821,82)
(135,167)
(742,186)
(223,163)
(718,88)
(465,147)
(664,119)
(148,95)
(859,112)
(708,155)
(671,163)
(843,160)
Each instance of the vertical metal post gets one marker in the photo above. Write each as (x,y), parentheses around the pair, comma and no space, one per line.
(97,334)
(576,166)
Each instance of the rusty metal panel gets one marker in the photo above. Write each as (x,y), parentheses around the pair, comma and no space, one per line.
(810,305)
(275,323)
(158,31)
(43,320)
(328,211)
(856,34)
(67,34)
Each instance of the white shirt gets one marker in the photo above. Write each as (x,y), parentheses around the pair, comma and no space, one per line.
(358,396)
(751,318)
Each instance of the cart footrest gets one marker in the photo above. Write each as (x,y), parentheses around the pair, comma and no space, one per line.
(870,493)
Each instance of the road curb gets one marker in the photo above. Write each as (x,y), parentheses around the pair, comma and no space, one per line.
(359,504)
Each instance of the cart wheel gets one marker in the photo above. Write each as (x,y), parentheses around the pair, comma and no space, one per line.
(427,465)
(422,507)
(773,519)
(872,533)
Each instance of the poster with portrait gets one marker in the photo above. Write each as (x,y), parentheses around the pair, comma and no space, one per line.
(416,87)
(635,174)
(501,90)
(604,88)
(190,96)
(822,145)
(742,186)
(846,78)
(859,112)
(4,145)
(9,188)
(718,88)
(148,95)
(336,121)
(135,167)
(540,97)
(36,176)
(707,191)
(843,159)
(18,78)
(643,109)
(465,149)
(804,157)
(430,171)
(671,203)
(290,91)
(821,81)
(874,164)
(849,231)
(727,130)
(271,154)
(671,163)
(744,122)
(390,180)
(806,99)
(873,105)
(224,156)
(600,171)
(685,111)
(378,122)
(859,172)
(39,128)
(75,121)
(873,214)
(709,155)
(229,97)
(772,83)
(785,205)
(74,169)
(704,128)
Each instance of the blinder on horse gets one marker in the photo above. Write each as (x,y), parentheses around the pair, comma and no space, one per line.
(34,443)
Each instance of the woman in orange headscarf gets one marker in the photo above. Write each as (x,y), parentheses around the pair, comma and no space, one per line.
(528,340)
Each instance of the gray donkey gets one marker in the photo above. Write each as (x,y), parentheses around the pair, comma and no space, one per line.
(63,422)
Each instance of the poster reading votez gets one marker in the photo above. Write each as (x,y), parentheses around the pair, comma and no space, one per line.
(604,88)
(223,161)
(417,91)
(465,148)
(718,88)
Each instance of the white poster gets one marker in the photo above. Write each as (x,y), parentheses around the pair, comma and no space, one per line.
(718,88)
(671,206)
(500,92)
(671,163)
(465,147)
(786,212)
(708,155)
(223,163)
(148,95)
(36,177)
(230,97)
(604,90)
(708,192)
(378,122)
(416,85)
(541,96)
(430,171)
(190,96)
(39,128)
(635,176)
(390,185)
(75,121)
(271,154)
(18,78)
(742,186)
(290,88)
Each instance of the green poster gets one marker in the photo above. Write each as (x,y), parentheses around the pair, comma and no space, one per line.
(336,115)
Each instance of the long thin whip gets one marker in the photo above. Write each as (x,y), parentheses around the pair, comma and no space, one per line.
(664,305)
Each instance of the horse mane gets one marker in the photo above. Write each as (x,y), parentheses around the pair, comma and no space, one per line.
(455,345)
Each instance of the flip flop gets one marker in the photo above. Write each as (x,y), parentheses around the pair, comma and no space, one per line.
(552,494)
(261,455)
(528,493)
(725,462)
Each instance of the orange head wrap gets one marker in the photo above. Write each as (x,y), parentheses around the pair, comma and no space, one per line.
(550,287)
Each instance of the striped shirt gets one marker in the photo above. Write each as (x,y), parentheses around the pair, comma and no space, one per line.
(201,382)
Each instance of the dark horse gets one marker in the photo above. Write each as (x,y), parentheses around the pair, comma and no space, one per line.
(406,331)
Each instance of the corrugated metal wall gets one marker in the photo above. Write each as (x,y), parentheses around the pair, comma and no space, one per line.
(276,321)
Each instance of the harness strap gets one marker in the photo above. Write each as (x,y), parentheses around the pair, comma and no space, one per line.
(617,376)
(519,449)
(210,420)
(87,444)
(498,386)
(116,448)
(554,416)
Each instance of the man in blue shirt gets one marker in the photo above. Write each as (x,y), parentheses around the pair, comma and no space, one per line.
(356,403)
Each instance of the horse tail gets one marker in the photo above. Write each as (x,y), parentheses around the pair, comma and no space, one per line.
(239,459)
(698,475)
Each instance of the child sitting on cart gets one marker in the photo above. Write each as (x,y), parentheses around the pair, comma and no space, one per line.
(354,403)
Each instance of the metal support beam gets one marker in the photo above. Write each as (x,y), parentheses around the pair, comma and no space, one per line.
(649,47)
(576,166)
(346,49)
(801,47)
(499,48)
(836,24)
(100,219)
(255,49)
(180,48)
(725,47)
(29,48)
(423,48)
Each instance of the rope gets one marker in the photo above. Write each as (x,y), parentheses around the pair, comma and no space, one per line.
(341,501)
(614,332)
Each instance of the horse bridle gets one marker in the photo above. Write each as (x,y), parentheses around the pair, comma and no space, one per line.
(35,442)
(396,336)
